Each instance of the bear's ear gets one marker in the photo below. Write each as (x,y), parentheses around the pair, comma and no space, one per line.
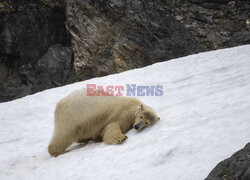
(142,106)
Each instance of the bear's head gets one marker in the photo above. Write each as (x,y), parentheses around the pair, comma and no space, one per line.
(145,116)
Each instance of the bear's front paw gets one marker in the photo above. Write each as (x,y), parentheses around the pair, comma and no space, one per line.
(118,139)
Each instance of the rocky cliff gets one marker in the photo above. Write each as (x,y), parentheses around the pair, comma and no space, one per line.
(28,28)
(215,23)
(115,36)
(236,167)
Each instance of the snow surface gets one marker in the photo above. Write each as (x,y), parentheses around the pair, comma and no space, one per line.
(205,117)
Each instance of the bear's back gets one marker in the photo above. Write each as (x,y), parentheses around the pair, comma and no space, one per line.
(84,107)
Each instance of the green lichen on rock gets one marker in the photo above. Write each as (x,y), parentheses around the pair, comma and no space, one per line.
(5,7)
(53,3)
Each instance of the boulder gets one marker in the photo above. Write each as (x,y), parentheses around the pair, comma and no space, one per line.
(236,167)
(28,28)
(53,69)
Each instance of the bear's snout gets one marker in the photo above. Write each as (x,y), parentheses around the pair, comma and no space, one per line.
(136,127)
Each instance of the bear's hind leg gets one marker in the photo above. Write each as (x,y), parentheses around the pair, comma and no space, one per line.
(59,144)
(113,134)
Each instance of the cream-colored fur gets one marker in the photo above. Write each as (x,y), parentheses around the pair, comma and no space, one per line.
(80,118)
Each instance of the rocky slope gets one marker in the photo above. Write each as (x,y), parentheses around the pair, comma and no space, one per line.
(235,167)
(114,36)
(215,24)
(27,30)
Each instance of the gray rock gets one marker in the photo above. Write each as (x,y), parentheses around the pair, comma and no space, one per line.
(178,18)
(53,69)
(215,24)
(237,167)
(27,29)
(114,36)
(13,87)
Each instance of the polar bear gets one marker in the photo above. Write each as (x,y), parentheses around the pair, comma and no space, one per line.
(81,118)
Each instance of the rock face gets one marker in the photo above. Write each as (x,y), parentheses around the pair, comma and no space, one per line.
(236,167)
(214,24)
(118,35)
(27,29)
(54,68)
